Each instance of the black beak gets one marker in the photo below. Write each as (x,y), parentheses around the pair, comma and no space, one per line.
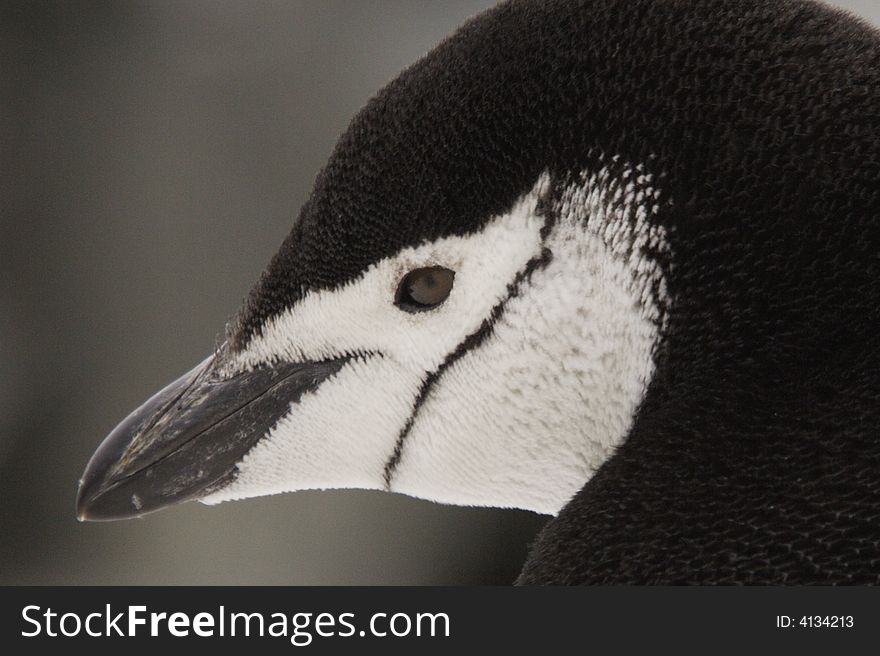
(186,440)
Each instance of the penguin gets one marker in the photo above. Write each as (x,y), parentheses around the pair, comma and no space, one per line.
(614,261)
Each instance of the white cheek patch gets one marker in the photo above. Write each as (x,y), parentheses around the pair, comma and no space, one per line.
(342,435)
(526,419)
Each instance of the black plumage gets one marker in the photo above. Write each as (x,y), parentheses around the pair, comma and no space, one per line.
(755,455)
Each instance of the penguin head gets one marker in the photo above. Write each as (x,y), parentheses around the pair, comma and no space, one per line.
(467,310)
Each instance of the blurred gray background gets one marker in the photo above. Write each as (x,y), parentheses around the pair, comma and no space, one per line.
(154,155)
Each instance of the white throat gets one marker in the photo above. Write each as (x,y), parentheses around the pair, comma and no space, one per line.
(524,418)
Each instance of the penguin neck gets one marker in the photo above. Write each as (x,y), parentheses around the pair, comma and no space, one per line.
(725,481)
(748,463)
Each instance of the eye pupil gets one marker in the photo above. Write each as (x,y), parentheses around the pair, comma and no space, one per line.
(425,288)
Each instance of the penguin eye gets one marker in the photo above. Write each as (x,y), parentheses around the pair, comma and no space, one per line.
(424,289)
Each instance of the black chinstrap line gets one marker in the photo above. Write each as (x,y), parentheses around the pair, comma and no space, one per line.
(470,342)
(546,207)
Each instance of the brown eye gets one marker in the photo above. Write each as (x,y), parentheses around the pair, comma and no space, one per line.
(423,289)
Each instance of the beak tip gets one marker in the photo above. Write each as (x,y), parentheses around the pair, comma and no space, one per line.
(91,484)
(83,500)
(95,500)
(98,502)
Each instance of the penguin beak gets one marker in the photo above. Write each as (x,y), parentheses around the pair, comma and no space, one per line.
(187,439)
